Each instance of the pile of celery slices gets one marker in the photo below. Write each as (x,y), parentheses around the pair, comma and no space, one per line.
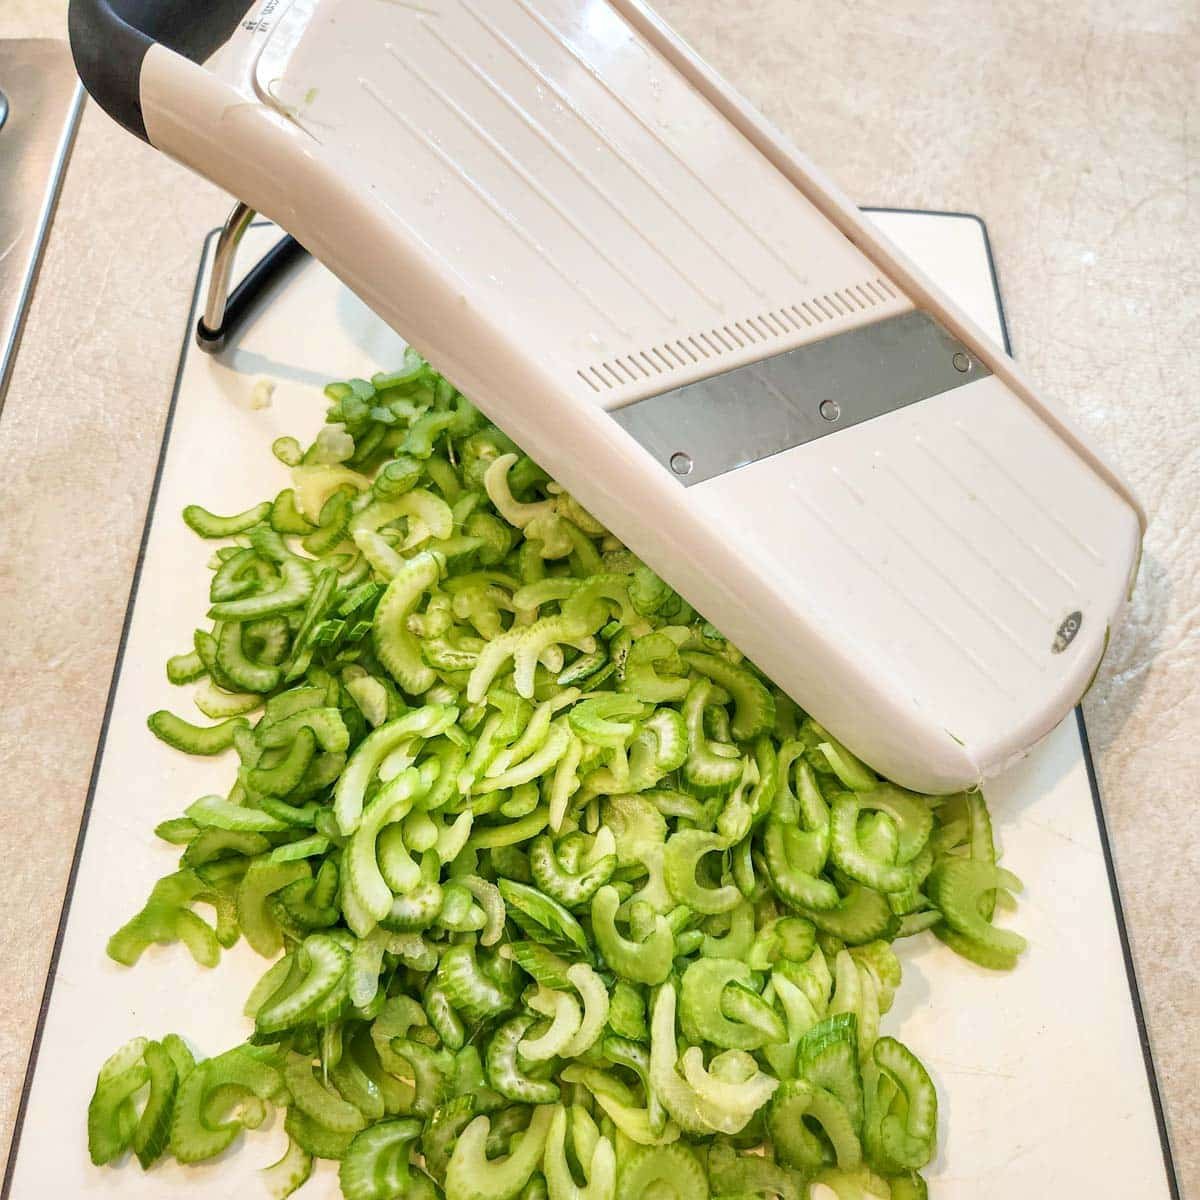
(562,898)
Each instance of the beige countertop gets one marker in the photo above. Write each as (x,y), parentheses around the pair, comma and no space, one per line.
(1073,129)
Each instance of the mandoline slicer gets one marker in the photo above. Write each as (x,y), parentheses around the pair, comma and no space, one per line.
(583,226)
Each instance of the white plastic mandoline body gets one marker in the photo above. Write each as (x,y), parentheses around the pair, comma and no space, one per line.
(566,211)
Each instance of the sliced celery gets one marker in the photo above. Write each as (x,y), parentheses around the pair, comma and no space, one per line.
(571,902)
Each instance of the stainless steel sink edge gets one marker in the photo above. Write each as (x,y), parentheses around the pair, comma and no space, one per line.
(45,100)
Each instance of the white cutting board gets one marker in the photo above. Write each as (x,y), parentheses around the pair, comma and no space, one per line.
(1043,1085)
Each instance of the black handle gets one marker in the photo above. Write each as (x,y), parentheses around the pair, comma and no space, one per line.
(110,38)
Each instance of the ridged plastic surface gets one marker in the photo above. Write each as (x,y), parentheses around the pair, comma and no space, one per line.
(945,545)
(528,190)
(553,162)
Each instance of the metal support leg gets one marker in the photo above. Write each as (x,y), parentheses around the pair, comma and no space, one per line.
(226,309)
(210,332)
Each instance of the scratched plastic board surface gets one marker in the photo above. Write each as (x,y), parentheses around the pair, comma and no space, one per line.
(1040,1073)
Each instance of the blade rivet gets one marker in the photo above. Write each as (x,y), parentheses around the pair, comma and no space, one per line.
(830,410)
(961,362)
(681,463)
